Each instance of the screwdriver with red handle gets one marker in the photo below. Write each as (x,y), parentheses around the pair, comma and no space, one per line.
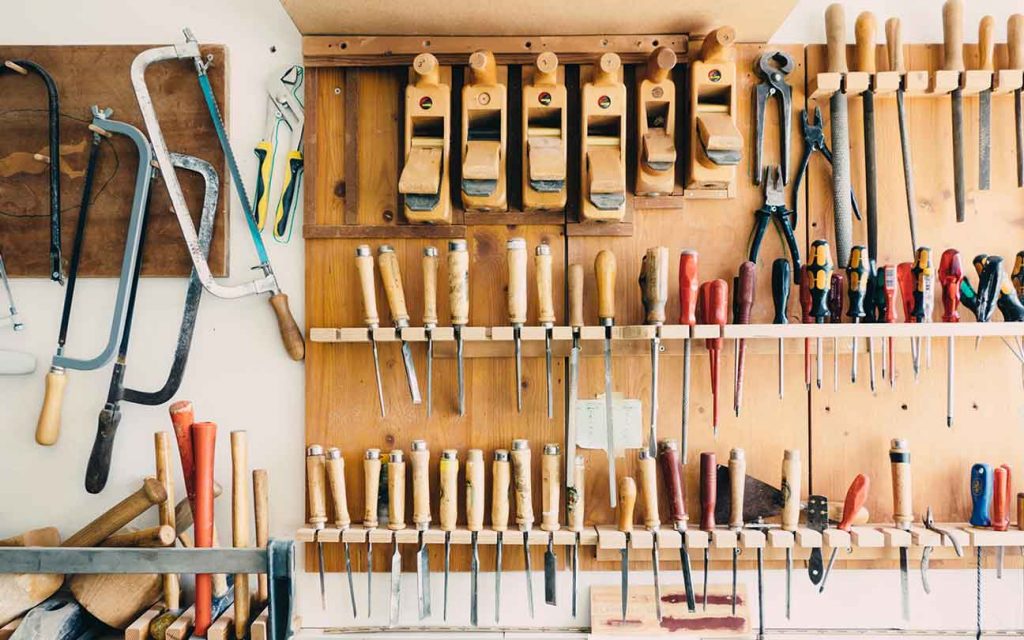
(835,316)
(688,287)
(889,295)
(951,274)
(856,496)
(905,277)
(708,492)
(743,287)
(819,273)
(805,318)
(714,307)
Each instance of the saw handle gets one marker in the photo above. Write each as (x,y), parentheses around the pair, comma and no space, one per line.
(688,287)
(953,35)
(576,295)
(649,489)
(856,495)
(654,284)
(98,469)
(604,273)
(515,250)
(708,490)
(894,45)
(475,489)
(864,33)
(671,473)
(835,38)
(291,335)
(48,425)
(550,487)
(545,297)
(391,276)
(448,509)
(1015,41)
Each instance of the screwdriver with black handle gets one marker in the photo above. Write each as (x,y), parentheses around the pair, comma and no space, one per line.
(835,316)
(782,278)
(604,273)
(743,287)
(671,474)
(951,274)
(458,302)
(819,276)
(857,284)
(714,308)
(654,295)
(688,288)
(856,496)
(364,265)
(546,313)
(391,276)
(708,492)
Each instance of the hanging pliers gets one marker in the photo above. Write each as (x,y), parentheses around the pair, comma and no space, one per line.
(773,67)
(785,220)
(814,140)
(926,554)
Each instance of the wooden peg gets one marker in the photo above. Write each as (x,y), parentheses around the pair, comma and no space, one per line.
(41,158)
(659,64)
(427,70)
(547,66)
(100,131)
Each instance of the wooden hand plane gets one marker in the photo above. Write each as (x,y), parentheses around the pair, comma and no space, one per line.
(484,135)
(545,137)
(424,180)
(603,163)
(656,125)
(716,145)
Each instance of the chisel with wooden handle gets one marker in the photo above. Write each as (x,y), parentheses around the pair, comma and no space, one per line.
(714,308)
(791,476)
(419,458)
(516,259)
(574,514)
(708,491)
(315,488)
(604,272)
(240,525)
(430,317)
(335,467)
(953,60)
(500,476)
(550,487)
(448,511)
(737,483)
(391,276)
(903,513)
(364,265)
(521,483)
(835,33)
(475,523)
(576,322)
(458,303)
(652,521)
(162,445)
(671,474)
(627,500)
(654,295)
(371,488)
(396,522)
(546,313)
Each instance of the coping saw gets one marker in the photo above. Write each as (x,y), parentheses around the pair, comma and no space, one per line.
(285,115)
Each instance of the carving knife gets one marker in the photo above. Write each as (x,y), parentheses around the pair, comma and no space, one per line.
(419,458)
(396,522)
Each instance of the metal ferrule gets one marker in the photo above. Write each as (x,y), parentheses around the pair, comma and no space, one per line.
(396,456)
(419,445)
(450,454)
(519,445)
(543,249)
(430,252)
(372,454)
(552,449)
(363,250)
(457,245)
(314,450)
(516,243)
(333,453)
(608,323)
(501,455)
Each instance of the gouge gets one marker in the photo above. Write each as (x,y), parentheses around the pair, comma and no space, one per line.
(903,513)
(551,484)
(391,275)
(449,511)
(240,526)
(671,474)
(419,458)
(364,264)
(396,522)
(604,272)
(430,317)
(500,476)
(652,521)
(737,482)
(574,512)
(475,523)
(856,495)
(315,480)
(516,259)
(339,498)
(627,489)
(458,301)
(708,479)
(790,512)
(546,313)
(953,56)
(371,497)
(521,471)
(654,295)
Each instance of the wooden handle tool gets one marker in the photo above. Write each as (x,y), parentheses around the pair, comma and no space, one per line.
(791,475)
(708,490)
(158,536)
(627,501)
(835,36)
(419,458)
(396,490)
(737,481)
(391,276)
(899,460)
(649,489)
(522,484)
(986,43)
(545,299)
(550,486)
(430,287)
(48,425)
(371,486)
(449,500)
(516,258)
(604,272)
(162,445)
(953,35)
(475,490)
(151,493)
(575,498)
(894,45)
(261,514)
(364,266)
(204,439)
(458,303)
(576,295)
(864,30)
(500,476)
(654,285)
(316,494)
(291,335)
(240,525)
(856,496)
(335,470)
(1015,41)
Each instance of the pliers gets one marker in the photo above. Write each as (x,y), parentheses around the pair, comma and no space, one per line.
(773,67)
(785,220)
(285,116)
(929,523)
(814,140)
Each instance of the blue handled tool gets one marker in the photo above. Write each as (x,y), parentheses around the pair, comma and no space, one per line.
(981,494)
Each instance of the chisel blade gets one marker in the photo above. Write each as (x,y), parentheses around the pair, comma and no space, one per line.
(904,584)
(410,373)
(550,569)
(684,558)
(430,371)
(576,573)
(518,340)
(320,563)
(984,139)
(570,410)
(498,551)
(474,576)
(656,561)
(959,187)
(447,572)
(625,578)
(351,583)
(547,370)
(376,372)
(396,585)
(1018,115)
(609,420)
(369,579)
(528,571)
(423,578)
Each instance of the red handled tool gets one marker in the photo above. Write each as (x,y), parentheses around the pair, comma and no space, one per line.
(708,491)
(856,496)
(743,288)
(204,439)
(889,294)
(951,274)
(688,288)
(714,307)
(905,278)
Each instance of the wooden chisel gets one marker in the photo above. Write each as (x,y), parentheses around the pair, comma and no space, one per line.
(364,265)
(574,513)
(627,500)
(790,512)
(419,458)
(458,304)
(430,317)
(391,276)
(654,295)
(652,521)
(474,522)
(448,511)
(335,466)
(315,479)
(576,322)
(240,525)
(396,522)
(551,485)
(516,258)
(604,273)
(521,483)
(499,518)
(708,491)
(903,514)
(371,487)
(737,482)
(546,314)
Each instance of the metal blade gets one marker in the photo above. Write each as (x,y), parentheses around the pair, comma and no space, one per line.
(320,562)
(828,570)
(652,435)
(841,177)
(570,411)
(369,579)
(410,373)
(735,557)
(1019,117)
(519,369)
(396,585)
(550,568)
(430,371)
(625,578)
(376,371)
(684,558)
(655,560)
(904,584)
(609,420)
(870,172)
(789,581)
(447,571)
(528,571)
(908,169)
(461,370)
(685,436)
(984,140)
(547,368)
(760,594)
(351,585)
(704,596)
(474,576)
(576,572)
(959,187)
(498,549)
(423,578)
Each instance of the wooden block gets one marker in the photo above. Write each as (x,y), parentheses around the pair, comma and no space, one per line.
(856,83)
(669,538)
(408,535)
(922,537)
(258,630)
(807,537)
(836,538)
(641,621)
(422,171)
(697,539)
(139,630)
(223,628)
(916,82)
(821,86)
(895,537)
(1007,81)
(608,537)
(943,82)
(723,539)
(886,82)
(481,160)
(781,539)
(607,173)
(659,147)
(181,629)
(865,536)
(990,538)
(547,158)
(641,539)
(974,81)
(718,132)
(752,539)
(354,534)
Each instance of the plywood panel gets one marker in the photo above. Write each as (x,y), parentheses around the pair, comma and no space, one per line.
(99,75)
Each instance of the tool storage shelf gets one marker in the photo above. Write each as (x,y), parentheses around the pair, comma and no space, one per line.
(915,84)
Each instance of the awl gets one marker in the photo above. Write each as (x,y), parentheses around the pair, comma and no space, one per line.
(391,275)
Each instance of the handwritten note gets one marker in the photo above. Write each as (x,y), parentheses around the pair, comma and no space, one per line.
(592,428)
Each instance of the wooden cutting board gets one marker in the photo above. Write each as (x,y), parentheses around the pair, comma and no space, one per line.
(641,620)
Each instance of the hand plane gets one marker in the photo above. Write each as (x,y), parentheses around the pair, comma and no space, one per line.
(424,180)
(484,135)
(656,125)
(603,187)
(545,135)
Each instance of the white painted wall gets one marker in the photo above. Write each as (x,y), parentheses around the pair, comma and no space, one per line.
(240,377)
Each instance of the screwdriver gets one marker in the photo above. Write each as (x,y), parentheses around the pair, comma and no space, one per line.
(521,472)
(857,283)
(458,300)
(391,275)
(903,512)
(856,495)
(805,318)
(652,521)
(888,273)
(499,519)
(516,258)
(714,297)
(1000,509)
(737,482)
(743,288)
(574,512)
(819,272)
(430,317)
(654,295)
(627,487)
(474,522)
(449,512)
(335,467)
(364,265)
(835,316)
(905,277)
(688,287)
(546,313)
(951,274)
(671,474)
(782,276)
(419,459)
(551,485)
(708,492)
(981,499)
(371,487)
(315,479)
(604,272)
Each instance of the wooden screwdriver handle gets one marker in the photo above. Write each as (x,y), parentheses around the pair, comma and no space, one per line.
(419,458)
(708,490)
(164,475)
(475,489)
(545,295)
(576,295)
(521,483)
(986,43)
(515,250)
(240,525)
(48,425)
(953,35)
(500,476)
(627,501)
(856,496)
(1015,40)
(151,493)
(546,66)
(315,486)
(371,487)
(391,276)
(604,273)
(364,265)
(654,284)
(688,287)
(458,282)
(396,490)
(737,484)
(744,286)
(430,286)
(649,489)
(791,475)
(335,467)
(550,487)
(261,514)
(575,497)
(672,476)
(291,335)
(483,69)
(449,502)
(899,460)
(894,45)
(660,63)
(835,38)
(864,30)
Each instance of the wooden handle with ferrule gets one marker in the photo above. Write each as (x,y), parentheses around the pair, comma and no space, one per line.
(396,490)
(430,286)
(335,467)
(856,495)
(158,536)
(649,489)
(371,487)
(240,525)
(483,69)
(500,477)
(521,483)
(1001,498)
(864,30)
(672,476)
(737,483)
(660,63)
(204,439)
(291,335)
(419,458)
(899,460)
(449,502)
(151,493)
(708,490)
(550,487)
(545,289)
(654,284)
(261,514)
(953,35)
(627,501)
(48,425)
(835,38)
(182,416)
(986,43)
(894,45)
(316,486)
(475,489)
(1015,40)
(391,276)
(576,295)
(364,265)
(575,499)
(791,475)
(688,287)
(604,272)
(515,250)
(458,282)
(164,475)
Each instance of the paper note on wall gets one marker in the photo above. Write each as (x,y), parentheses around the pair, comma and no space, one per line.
(592,428)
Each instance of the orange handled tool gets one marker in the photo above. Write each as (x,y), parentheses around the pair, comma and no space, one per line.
(714,306)
(204,439)
(708,493)
(951,274)
(688,287)
(906,279)
(856,496)
(805,318)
